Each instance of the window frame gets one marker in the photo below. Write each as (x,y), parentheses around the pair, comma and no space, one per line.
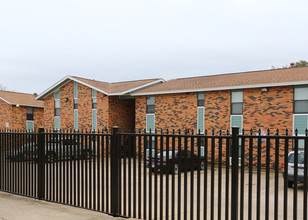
(147,105)
(294,101)
(242,103)
(201,132)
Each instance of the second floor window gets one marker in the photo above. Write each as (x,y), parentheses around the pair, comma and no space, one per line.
(94,99)
(301,99)
(150,104)
(29,114)
(57,103)
(236,102)
(201,99)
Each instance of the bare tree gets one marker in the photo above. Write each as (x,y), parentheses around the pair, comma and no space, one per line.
(2,87)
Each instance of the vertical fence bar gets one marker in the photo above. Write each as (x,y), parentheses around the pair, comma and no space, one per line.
(227,177)
(285,186)
(234,183)
(259,177)
(115,186)
(250,177)
(267,177)
(41,164)
(219,175)
(212,176)
(305,175)
(242,177)
(276,175)
(295,177)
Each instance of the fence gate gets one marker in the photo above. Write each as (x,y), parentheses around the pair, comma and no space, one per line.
(161,175)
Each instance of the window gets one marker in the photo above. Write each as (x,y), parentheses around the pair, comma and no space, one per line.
(301,99)
(57,103)
(201,99)
(236,102)
(150,104)
(94,111)
(75,106)
(57,110)
(30,118)
(94,99)
(200,113)
(237,121)
(94,119)
(150,123)
(300,123)
(29,114)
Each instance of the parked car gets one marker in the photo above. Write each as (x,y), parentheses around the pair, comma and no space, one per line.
(175,164)
(300,171)
(54,150)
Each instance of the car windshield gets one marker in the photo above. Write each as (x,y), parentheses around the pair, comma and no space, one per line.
(165,153)
(300,158)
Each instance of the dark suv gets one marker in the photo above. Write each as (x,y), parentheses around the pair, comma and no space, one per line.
(54,149)
(177,163)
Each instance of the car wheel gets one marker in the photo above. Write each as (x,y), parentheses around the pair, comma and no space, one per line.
(86,154)
(290,184)
(202,165)
(51,156)
(176,169)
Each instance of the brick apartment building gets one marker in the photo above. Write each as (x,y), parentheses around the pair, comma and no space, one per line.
(20,111)
(79,103)
(271,99)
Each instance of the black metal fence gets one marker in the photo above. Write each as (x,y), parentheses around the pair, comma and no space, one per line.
(161,175)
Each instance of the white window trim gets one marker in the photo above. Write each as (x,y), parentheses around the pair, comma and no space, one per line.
(198,120)
(293,129)
(240,132)
(146,122)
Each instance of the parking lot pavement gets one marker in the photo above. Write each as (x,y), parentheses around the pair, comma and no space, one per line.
(20,207)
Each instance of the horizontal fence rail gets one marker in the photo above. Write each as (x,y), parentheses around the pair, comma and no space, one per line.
(161,175)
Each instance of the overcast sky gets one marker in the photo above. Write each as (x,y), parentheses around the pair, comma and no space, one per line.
(119,40)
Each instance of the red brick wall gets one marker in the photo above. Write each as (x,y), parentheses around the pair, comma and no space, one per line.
(272,109)
(111,111)
(5,114)
(17,116)
(121,113)
(49,111)
(102,111)
(217,110)
(176,111)
(268,110)
(140,112)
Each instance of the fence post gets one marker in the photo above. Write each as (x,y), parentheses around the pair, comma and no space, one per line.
(41,163)
(234,183)
(115,172)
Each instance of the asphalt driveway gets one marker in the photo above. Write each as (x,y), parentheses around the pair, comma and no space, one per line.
(19,207)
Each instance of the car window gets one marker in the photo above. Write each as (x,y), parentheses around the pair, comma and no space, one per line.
(300,158)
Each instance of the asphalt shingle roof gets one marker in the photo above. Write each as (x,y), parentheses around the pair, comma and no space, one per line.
(275,76)
(21,99)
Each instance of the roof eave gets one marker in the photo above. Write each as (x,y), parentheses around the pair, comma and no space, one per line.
(223,88)
(48,91)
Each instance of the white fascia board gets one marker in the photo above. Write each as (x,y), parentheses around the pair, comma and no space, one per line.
(68,79)
(4,100)
(35,106)
(224,88)
(137,88)
(51,88)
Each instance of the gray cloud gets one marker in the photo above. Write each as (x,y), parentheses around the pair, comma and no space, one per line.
(43,41)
